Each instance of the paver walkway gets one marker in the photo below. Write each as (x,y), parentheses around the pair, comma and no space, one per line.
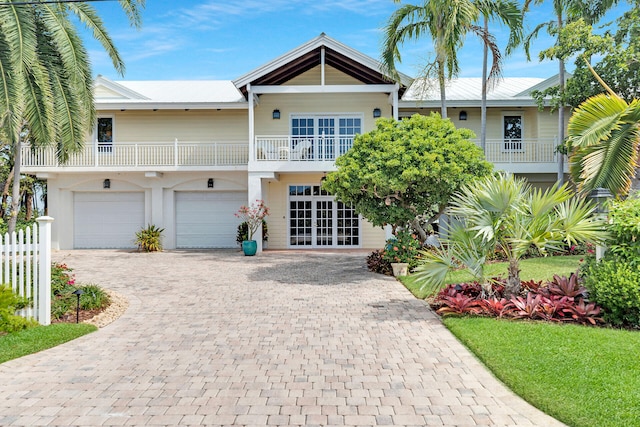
(215,338)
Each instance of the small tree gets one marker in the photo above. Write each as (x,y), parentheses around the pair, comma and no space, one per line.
(253,216)
(404,172)
(505,213)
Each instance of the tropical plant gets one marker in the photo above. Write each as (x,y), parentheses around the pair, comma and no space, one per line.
(404,247)
(149,239)
(403,173)
(506,213)
(242,233)
(604,138)
(254,216)
(377,263)
(45,75)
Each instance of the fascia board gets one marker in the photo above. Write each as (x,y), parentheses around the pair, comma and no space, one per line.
(171,106)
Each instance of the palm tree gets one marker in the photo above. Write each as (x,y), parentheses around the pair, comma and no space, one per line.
(445,21)
(505,213)
(510,14)
(565,10)
(45,76)
(604,134)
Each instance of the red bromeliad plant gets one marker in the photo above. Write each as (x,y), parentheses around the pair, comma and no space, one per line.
(561,300)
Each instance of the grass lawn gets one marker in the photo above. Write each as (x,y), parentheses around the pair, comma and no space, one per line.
(532,268)
(581,376)
(40,338)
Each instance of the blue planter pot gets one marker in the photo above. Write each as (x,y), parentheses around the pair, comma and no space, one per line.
(249,247)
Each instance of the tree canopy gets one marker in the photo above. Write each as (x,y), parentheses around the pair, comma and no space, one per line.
(404,172)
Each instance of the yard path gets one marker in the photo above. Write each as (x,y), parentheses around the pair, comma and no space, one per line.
(283,338)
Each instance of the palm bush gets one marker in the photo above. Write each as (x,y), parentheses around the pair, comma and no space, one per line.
(505,213)
(149,239)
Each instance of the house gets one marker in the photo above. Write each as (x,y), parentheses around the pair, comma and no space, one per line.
(184,155)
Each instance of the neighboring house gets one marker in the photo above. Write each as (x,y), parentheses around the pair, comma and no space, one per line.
(184,155)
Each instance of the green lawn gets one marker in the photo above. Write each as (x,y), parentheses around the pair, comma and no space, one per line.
(40,338)
(583,376)
(532,268)
(580,375)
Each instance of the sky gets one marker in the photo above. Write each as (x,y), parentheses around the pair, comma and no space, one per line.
(216,40)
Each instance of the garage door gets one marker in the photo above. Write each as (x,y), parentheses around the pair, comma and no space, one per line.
(206,219)
(107,219)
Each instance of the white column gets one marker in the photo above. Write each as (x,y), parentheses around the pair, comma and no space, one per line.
(395,102)
(254,192)
(252,138)
(44,276)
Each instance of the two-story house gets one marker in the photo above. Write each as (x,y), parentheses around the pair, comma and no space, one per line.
(184,155)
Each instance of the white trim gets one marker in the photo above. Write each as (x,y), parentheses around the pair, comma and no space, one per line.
(313,198)
(325,89)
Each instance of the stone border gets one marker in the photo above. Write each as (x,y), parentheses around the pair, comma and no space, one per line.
(117,307)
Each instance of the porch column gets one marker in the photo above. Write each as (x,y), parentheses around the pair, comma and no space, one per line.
(254,191)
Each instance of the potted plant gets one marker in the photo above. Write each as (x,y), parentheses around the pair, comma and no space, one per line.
(242,233)
(253,215)
(401,252)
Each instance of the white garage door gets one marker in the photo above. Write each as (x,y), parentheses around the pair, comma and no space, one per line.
(206,219)
(107,219)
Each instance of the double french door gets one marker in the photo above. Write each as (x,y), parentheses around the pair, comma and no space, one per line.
(330,136)
(316,219)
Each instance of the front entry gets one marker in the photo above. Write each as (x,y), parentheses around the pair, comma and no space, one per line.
(316,220)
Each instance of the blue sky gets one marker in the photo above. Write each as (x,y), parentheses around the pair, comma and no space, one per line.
(207,39)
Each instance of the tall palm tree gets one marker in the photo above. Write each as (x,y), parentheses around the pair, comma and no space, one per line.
(45,76)
(509,13)
(565,10)
(604,133)
(445,21)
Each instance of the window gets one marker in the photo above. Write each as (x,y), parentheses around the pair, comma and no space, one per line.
(512,132)
(104,134)
(329,135)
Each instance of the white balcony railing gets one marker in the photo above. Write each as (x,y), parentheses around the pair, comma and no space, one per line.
(301,148)
(520,150)
(143,155)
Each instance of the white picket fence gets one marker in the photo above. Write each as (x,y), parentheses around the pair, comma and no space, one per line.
(26,266)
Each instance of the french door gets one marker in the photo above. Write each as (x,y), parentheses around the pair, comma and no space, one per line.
(330,135)
(316,219)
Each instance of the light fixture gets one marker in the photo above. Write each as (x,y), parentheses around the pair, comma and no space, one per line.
(106,183)
(276,114)
(377,113)
(210,183)
(463,115)
(77,293)
(600,196)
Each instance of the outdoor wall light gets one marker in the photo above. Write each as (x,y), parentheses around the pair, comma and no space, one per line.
(106,183)
(210,183)
(77,293)
(377,113)
(600,196)
(463,115)
(276,114)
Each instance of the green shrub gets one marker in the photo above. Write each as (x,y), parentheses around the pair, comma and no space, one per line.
(377,263)
(9,303)
(243,232)
(149,239)
(624,225)
(615,286)
(93,298)
(403,247)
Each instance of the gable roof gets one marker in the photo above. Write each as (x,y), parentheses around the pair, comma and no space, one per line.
(467,92)
(307,56)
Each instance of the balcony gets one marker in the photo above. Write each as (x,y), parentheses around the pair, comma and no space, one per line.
(289,148)
(522,155)
(141,156)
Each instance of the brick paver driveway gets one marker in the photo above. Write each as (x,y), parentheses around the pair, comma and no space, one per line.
(216,338)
